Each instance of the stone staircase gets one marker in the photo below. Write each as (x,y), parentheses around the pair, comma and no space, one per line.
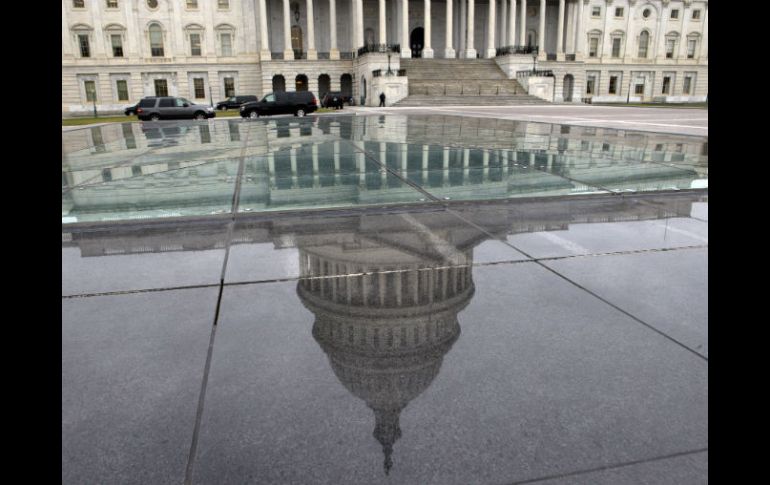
(461,82)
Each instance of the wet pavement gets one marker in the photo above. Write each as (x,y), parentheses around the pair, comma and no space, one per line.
(541,325)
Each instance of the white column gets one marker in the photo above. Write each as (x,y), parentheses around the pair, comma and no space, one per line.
(704,39)
(312,54)
(334,52)
(427,51)
(512,23)
(569,29)
(360,23)
(541,54)
(264,43)
(628,45)
(491,31)
(382,34)
(683,33)
(503,23)
(463,26)
(523,24)
(560,33)
(449,51)
(470,52)
(580,41)
(659,48)
(405,48)
(288,52)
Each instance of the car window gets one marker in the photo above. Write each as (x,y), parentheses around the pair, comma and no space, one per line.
(183,100)
(270,98)
(146,103)
(166,103)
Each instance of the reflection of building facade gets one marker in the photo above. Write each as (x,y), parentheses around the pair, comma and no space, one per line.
(114,52)
(291,163)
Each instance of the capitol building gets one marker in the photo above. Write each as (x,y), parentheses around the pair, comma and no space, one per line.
(565,51)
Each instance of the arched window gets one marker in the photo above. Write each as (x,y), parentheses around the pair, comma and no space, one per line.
(300,83)
(324,85)
(194,37)
(693,41)
(644,41)
(672,44)
(279,83)
(116,36)
(156,40)
(82,34)
(226,39)
(617,43)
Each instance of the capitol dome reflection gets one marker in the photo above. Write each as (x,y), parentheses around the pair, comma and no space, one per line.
(386,328)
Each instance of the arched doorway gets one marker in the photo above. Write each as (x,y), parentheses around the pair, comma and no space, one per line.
(279,83)
(300,82)
(569,82)
(369,36)
(346,85)
(324,85)
(531,36)
(296,41)
(416,41)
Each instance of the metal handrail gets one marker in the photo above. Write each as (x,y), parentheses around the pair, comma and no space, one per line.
(516,49)
(379,48)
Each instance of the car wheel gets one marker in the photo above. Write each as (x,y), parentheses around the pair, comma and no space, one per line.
(300,112)
(224,108)
(253,115)
(200,116)
(154,117)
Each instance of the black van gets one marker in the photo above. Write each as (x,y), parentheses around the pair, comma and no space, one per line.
(234,102)
(299,103)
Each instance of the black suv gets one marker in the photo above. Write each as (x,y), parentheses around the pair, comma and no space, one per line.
(299,103)
(234,102)
(171,108)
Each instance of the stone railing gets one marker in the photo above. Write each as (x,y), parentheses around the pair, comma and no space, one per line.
(516,49)
(379,48)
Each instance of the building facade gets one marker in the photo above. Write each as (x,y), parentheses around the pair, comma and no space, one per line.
(116,51)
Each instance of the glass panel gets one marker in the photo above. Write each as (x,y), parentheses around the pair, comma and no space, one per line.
(200,92)
(183,169)
(117,45)
(195,44)
(161,87)
(156,41)
(122,90)
(85,48)
(227,46)
(90,87)
(229,87)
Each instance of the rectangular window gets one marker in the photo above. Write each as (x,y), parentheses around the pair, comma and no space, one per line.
(593,47)
(639,89)
(85,48)
(192,3)
(200,92)
(590,84)
(596,12)
(670,44)
(687,85)
(90,88)
(156,42)
(112,3)
(666,85)
(675,13)
(166,103)
(616,47)
(227,44)
(691,48)
(161,87)
(229,87)
(106,175)
(122,86)
(223,3)
(78,3)
(613,85)
(117,45)
(195,44)
(696,14)
(136,170)
(619,12)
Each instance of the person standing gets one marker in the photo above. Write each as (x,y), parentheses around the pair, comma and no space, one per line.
(382,100)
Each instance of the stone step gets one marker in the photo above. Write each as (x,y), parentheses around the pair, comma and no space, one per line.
(421,100)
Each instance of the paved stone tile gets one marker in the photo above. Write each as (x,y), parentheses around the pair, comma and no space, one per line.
(517,376)
(668,290)
(681,470)
(142,258)
(132,367)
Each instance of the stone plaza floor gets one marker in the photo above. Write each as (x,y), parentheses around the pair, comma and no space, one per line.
(411,299)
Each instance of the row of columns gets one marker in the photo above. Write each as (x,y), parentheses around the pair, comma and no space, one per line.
(508,32)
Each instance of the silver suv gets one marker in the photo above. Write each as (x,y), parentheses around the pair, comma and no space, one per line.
(172,108)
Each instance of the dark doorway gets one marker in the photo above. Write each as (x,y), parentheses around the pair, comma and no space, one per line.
(416,41)
(346,85)
(569,82)
(279,84)
(324,85)
(300,83)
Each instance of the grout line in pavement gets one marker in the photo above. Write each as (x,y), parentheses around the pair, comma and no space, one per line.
(610,467)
